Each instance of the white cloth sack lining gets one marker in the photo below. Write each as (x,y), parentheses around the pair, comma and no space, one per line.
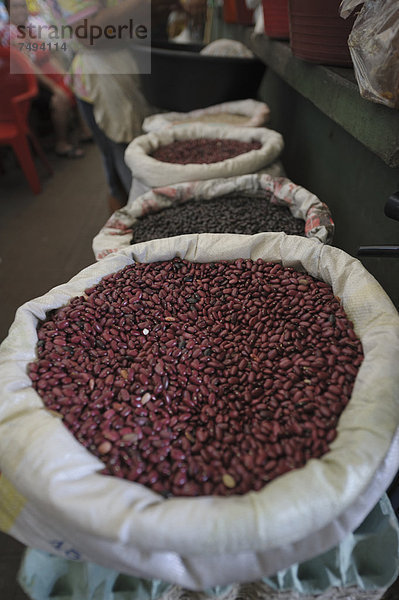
(204,541)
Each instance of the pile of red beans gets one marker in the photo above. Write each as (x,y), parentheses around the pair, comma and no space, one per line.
(200,378)
(202,150)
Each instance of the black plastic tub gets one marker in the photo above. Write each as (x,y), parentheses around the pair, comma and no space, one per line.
(182,79)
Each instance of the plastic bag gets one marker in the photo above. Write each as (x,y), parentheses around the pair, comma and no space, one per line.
(56,500)
(354,565)
(374,47)
(118,231)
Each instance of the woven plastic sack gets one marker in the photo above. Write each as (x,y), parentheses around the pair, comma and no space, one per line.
(227,47)
(361,567)
(373,45)
(149,173)
(56,500)
(251,113)
(118,231)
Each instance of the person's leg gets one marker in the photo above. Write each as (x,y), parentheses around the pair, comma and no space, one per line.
(58,79)
(60,106)
(124,173)
(117,195)
(85,133)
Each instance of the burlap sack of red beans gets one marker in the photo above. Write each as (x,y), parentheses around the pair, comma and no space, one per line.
(120,229)
(195,152)
(203,409)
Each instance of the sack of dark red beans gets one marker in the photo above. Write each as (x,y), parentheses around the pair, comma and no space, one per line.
(203,409)
(195,152)
(247,204)
(242,113)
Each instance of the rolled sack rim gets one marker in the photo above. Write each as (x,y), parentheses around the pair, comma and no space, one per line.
(156,173)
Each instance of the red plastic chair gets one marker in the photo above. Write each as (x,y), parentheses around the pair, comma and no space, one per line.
(17,90)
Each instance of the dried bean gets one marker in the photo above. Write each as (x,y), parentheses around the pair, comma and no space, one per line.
(226,214)
(202,150)
(244,404)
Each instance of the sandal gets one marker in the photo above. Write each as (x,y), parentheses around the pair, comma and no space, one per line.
(87,140)
(72,152)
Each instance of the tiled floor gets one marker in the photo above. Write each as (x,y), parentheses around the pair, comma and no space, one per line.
(45,240)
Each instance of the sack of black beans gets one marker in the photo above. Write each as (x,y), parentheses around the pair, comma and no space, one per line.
(242,113)
(92,471)
(195,152)
(246,204)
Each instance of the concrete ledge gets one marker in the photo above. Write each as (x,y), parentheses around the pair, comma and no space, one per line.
(333,91)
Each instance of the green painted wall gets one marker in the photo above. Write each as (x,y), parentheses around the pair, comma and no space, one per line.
(351,180)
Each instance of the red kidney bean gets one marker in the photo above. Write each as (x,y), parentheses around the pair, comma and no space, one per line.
(202,150)
(217,387)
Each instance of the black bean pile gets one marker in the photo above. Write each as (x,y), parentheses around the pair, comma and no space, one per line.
(202,150)
(226,214)
(200,378)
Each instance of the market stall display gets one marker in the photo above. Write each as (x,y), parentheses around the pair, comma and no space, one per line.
(59,494)
(209,412)
(247,204)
